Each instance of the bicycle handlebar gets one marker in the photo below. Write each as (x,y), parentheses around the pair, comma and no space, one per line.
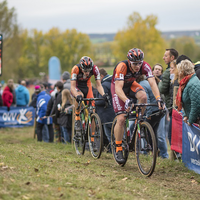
(145,104)
(88,99)
(92,99)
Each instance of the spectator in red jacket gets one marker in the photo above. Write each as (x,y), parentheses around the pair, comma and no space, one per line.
(7,94)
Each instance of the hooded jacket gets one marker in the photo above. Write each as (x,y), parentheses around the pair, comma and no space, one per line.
(22,96)
(42,101)
(7,96)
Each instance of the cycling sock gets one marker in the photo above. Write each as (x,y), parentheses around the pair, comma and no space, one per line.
(118,146)
(77,117)
(92,138)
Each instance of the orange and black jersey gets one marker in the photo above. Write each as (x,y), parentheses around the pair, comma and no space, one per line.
(82,80)
(123,72)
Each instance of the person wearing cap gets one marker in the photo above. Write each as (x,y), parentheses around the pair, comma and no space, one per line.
(22,94)
(34,96)
(66,80)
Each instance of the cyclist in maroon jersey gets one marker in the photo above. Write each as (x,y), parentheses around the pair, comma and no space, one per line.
(124,87)
(81,85)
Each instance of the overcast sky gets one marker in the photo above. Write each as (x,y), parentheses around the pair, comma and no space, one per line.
(104,16)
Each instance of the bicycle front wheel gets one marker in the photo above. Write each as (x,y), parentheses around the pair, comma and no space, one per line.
(79,141)
(145,149)
(95,136)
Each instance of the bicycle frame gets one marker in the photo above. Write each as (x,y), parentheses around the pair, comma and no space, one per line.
(139,118)
(90,132)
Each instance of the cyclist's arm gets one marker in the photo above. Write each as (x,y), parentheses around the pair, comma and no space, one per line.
(99,87)
(119,91)
(73,88)
(154,87)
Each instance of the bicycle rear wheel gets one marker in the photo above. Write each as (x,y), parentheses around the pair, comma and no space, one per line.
(145,149)
(95,136)
(125,148)
(79,141)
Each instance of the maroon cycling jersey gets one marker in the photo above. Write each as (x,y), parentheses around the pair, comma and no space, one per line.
(82,80)
(122,72)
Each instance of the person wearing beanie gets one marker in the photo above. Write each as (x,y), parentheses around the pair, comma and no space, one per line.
(182,57)
(66,80)
(197,68)
(34,96)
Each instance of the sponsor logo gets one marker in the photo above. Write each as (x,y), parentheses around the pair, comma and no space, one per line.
(23,117)
(194,143)
(117,104)
(137,89)
(74,76)
(121,76)
(195,162)
(96,70)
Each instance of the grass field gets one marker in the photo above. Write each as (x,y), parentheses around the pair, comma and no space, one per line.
(37,170)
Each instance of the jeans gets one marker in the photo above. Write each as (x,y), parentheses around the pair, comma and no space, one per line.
(161,137)
(66,134)
(45,133)
(107,131)
(40,136)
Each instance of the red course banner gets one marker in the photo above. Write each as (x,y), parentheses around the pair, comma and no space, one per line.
(176,138)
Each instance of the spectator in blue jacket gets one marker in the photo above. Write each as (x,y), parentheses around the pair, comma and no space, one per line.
(42,101)
(106,114)
(22,94)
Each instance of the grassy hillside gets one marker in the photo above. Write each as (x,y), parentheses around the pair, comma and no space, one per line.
(37,170)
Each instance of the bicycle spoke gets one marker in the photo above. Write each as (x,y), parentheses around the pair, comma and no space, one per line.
(95,136)
(145,149)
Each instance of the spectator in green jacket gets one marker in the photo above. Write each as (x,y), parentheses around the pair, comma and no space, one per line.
(188,96)
(164,85)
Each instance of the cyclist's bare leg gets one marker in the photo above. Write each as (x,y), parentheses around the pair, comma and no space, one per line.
(77,115)
(142,98)
(76,103)
(119,127)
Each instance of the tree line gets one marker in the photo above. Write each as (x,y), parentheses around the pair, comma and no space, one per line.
(27,52)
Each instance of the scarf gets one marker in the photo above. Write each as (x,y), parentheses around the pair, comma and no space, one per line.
(182,85)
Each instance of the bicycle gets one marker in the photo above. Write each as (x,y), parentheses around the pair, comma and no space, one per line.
(142,141)
(91,130)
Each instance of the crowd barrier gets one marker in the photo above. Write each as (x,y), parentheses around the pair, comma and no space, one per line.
(17,117)
(186,140)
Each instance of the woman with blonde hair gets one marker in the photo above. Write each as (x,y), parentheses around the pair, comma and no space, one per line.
(188,96)
(66,116)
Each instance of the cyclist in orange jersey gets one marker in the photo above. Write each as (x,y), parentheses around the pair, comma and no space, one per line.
(81,86)
(124,87)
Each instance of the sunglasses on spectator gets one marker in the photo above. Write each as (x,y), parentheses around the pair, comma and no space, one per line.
(137,63)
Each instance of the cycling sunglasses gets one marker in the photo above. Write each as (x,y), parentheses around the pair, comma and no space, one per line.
(136,63)
(87,70)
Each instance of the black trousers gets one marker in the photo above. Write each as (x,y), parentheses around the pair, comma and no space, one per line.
(39,128)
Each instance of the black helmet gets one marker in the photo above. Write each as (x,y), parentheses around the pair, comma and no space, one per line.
(135,55)
(86,63)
